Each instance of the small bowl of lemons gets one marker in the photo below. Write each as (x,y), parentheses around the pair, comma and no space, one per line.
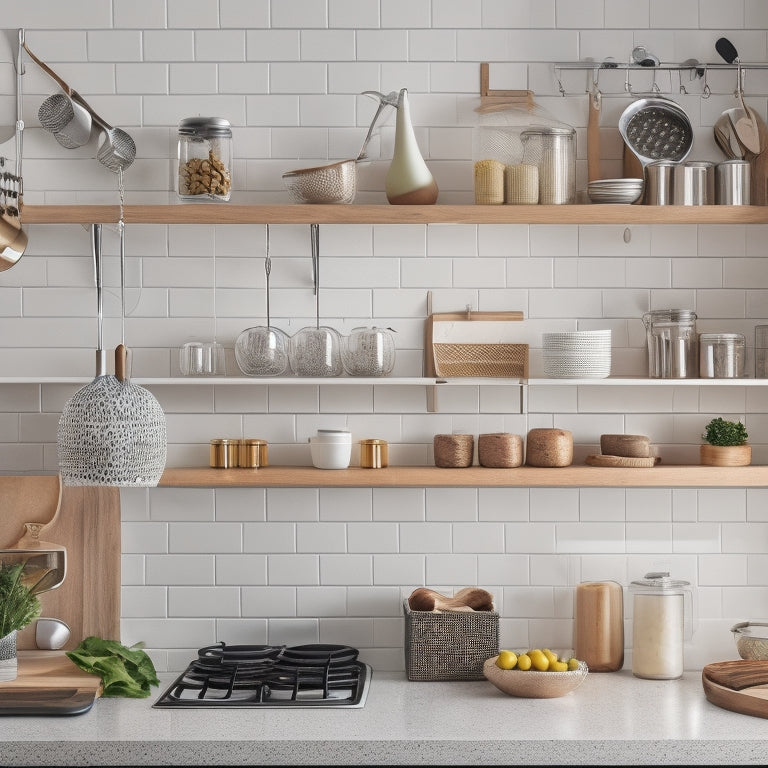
(535,674)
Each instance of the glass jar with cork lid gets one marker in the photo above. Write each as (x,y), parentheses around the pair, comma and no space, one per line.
(205,159)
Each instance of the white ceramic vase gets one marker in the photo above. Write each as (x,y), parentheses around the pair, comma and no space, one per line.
(408,180)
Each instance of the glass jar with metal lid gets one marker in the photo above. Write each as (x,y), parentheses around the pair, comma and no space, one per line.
(205,158)
(721,355)
(553,150)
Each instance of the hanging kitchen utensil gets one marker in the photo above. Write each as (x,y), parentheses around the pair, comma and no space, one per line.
(68,121)
(263,349)
(745,119)
(593,129)
(111,432)
(316,351)
(117,149)
(656,128)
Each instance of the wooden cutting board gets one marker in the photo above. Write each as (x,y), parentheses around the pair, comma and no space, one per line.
(740,686)
(600,460)
(86,521)
(48,683)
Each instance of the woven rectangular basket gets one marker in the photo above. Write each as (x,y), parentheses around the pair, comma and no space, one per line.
(451,645)
(501,360)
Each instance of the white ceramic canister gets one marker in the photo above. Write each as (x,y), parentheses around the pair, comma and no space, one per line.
(331,448)
(659,609)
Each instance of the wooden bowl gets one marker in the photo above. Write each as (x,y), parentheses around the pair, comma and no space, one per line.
(533,684)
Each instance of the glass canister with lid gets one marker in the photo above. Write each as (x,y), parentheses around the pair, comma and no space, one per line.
(673,344)
(553,151)
(660,607)
(368,352)
(205,158)
(721,355)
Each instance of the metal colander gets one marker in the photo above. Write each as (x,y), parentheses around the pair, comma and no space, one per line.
(656,129)
(111,432)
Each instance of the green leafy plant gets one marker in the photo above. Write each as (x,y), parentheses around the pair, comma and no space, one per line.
(18,603)
(722,432)
(124,671)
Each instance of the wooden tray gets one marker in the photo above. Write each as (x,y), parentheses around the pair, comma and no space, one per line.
(599,460)
(48,683)
(740,686)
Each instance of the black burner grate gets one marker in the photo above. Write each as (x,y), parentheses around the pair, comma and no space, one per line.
(270,676)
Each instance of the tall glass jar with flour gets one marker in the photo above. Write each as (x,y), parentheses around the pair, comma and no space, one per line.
(660,608)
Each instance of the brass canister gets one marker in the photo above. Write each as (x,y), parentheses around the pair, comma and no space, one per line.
(253,453)
(224,452)
(374,454)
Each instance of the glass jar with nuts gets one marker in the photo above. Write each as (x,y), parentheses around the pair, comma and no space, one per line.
(205,158)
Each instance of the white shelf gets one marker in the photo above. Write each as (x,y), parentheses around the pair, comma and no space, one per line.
(412,381)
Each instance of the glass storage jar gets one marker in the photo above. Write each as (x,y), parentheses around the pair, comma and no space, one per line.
(673,348)
(721,355)
(205,158)
(368,352)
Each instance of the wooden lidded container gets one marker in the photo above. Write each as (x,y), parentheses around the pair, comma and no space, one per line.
(500,449)
(455,451)
(549,448)
(598,630)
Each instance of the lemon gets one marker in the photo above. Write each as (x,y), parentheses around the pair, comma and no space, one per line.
(524,662)
(573,664)
(506,660)
(550,655)
(540,661)
(558,666)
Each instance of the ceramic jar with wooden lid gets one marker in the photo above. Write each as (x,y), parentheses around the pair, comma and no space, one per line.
(549,448)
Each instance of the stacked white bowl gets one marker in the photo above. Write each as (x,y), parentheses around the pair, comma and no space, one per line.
(577,354)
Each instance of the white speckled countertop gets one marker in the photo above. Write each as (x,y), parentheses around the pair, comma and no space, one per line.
(611,718)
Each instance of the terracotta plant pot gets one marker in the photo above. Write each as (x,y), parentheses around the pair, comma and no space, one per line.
(725,455)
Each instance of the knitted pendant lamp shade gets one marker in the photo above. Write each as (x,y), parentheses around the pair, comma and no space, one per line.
(111,432)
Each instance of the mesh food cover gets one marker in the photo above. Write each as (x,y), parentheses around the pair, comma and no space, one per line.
(112,433)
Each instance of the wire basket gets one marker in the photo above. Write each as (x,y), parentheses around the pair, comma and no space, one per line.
(452,645)
(499,360)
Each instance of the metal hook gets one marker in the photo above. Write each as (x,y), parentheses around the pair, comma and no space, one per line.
(706,91)
(627,84)
(559,82)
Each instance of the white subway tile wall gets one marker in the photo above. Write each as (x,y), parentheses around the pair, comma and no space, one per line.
(331,564)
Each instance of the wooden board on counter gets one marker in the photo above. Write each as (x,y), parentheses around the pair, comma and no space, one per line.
(48,683)
(84,520)
(740,686)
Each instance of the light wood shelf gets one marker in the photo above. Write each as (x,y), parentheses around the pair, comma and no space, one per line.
(234,213)
(672,476)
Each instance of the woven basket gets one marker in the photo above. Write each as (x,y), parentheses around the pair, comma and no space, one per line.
(489,182)
(500,449)
(449,646)
(500,360)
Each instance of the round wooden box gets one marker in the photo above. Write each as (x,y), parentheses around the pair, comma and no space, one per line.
(500,449)
(454,450)
(549,448)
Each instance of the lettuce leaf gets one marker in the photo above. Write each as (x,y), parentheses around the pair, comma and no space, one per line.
(123,671)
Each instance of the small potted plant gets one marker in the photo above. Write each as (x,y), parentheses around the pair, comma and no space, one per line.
(18,607)
(726,444)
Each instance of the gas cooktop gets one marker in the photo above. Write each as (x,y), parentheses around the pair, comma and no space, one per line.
(270,676)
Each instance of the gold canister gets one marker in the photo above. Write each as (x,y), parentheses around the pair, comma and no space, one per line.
(253,453)
(224,453)
(374,454)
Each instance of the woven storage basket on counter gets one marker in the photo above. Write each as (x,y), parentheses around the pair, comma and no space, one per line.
(449,645)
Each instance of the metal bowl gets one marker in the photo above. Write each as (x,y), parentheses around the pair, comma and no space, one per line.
(333,183)
(751,640)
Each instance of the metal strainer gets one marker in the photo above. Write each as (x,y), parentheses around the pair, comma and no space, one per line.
(656,129)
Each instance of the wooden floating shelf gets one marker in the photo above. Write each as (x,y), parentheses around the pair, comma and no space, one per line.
(234,213)
(674,476)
